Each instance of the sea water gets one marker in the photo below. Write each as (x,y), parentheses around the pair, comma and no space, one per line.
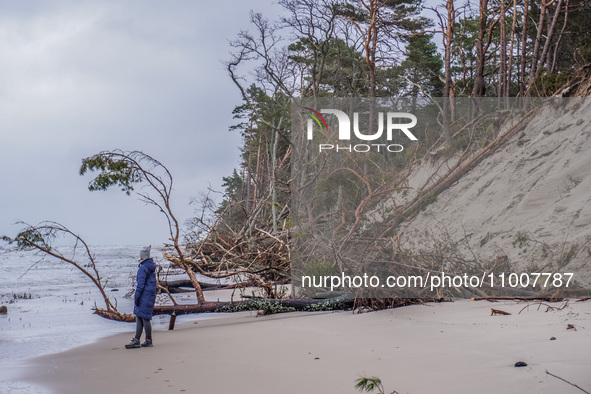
(50,302)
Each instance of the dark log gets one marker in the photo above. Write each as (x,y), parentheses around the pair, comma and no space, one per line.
(271,306)
(175,286)
(268,306)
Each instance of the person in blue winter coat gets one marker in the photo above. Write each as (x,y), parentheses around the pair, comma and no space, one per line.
(145,298)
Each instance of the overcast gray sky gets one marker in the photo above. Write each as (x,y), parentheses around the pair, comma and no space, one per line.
(78,77)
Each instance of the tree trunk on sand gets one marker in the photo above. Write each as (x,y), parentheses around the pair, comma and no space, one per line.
(271,306)
(268,306)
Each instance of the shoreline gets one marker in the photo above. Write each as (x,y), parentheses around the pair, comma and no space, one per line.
(14,359)
(432,348)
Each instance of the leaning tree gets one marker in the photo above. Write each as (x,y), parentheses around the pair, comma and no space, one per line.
(129,169)
(40,238)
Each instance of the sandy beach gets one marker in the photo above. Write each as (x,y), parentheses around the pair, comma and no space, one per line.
(452,347)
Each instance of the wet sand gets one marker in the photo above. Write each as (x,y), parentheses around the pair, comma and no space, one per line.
(455,347)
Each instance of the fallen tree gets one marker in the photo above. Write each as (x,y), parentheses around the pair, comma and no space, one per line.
(270,306)
(267,306)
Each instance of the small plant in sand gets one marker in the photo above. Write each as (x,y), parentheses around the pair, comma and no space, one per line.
(370,384)
(521,241)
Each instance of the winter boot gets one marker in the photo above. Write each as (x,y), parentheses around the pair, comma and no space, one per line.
(134,344)
(147,343)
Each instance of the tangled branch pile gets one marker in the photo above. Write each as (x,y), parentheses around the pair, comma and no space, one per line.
(261,254)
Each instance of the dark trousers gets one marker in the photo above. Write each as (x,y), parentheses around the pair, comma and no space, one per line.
(142,324)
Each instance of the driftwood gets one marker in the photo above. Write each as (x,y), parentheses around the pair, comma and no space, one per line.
(566,381)
(495,299)
(115,315)
(548,307)
(556,296)
(494,312)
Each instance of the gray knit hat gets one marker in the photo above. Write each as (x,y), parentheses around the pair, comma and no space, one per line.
(145,253)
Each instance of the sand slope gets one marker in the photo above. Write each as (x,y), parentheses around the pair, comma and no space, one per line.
(529,203)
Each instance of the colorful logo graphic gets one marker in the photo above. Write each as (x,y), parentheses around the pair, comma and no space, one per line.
(388,123)
(317,117)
